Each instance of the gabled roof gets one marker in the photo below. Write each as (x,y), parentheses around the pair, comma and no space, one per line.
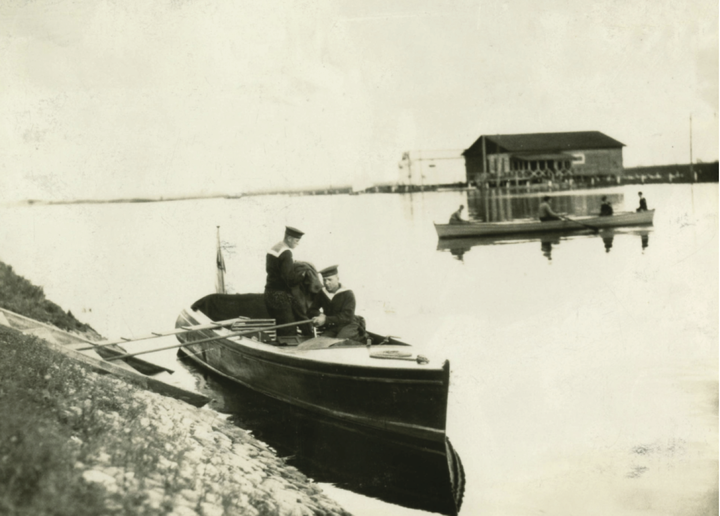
(547,142)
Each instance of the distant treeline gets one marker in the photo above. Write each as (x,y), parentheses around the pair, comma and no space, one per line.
(701,173)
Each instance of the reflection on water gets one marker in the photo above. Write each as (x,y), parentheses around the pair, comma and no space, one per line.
(495,205)
(607,238)
(346,456)
(458,247)
(548,401)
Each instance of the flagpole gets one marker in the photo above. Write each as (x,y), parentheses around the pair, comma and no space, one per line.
(220,263)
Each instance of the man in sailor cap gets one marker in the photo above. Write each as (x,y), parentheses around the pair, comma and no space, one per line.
(279,265)
(338,317)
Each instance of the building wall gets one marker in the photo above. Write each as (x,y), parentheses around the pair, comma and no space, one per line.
(598,162)
(592,162)
(473,168)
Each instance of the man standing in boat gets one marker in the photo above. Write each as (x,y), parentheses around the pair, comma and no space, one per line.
(643,203)
(338,305)
(279,265)
(545,212)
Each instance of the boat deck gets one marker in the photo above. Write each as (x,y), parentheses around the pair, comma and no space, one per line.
(327,351)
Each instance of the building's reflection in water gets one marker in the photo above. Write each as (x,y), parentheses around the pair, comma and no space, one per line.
(495,205)
(459,247)
(352,458)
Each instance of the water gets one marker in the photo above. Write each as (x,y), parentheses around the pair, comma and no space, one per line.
(584,368)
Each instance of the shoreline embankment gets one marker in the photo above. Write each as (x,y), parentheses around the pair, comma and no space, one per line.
(74,442)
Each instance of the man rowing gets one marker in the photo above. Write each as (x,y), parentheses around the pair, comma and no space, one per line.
(643,203)
(606,209)
(545,212)
(456,217)
(338,317)
(279,265)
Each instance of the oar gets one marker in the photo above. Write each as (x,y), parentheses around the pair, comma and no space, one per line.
(234,334)
(578,222)
(176,331)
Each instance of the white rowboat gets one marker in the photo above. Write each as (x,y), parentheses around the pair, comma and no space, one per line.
(471,228)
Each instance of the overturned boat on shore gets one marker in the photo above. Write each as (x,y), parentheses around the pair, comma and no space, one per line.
(483,229)
(381,386)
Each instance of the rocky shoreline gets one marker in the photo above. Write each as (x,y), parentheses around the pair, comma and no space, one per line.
(206,466)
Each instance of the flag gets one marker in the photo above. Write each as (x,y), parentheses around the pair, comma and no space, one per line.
(220,279)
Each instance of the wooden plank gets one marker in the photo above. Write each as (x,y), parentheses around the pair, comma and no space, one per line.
(28,325)
(125,372)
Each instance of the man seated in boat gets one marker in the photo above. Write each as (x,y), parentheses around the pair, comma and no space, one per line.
(545,212)
(279,265)
(456,217)
(643,203)
(338,317)
(606,209)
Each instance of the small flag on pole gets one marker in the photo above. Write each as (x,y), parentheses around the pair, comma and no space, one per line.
(220,280)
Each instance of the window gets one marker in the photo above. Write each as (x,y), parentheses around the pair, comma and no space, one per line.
(579,158)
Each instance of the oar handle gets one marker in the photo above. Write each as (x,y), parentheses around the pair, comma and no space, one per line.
(176,331)
(580,223)
(234,334)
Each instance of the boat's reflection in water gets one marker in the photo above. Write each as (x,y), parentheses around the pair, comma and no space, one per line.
(459,246)
(348,457)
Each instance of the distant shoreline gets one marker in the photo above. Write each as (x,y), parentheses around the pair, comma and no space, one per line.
(654,174)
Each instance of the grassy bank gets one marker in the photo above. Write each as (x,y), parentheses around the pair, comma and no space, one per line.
(22,297)
(54,421)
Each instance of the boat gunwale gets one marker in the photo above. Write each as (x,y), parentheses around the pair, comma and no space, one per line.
(273,355)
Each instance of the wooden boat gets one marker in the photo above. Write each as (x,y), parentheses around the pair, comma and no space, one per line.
(384,386)
(477,229)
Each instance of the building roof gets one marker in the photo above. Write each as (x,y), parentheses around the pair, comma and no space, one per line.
(546,142)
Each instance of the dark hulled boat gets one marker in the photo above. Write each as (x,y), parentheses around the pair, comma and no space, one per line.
(383,386)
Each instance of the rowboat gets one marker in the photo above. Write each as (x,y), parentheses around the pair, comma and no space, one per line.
(383,385)
(477,229)
(465,243)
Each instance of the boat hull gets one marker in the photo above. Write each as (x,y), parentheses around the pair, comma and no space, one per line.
(401,398)
(576,224)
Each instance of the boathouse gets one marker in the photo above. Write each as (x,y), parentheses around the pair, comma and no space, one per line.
(501,158)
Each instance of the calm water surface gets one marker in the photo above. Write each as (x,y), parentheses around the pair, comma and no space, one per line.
(584,367)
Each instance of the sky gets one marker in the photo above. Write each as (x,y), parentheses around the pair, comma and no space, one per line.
(105,99)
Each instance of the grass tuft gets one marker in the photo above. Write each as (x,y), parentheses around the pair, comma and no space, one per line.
(22,297)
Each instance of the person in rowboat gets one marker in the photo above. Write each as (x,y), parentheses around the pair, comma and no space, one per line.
(643,203)
(606,209)
(338,317)
(456,217)
(545,212)
(279,265)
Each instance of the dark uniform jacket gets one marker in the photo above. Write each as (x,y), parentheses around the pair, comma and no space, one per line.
(339,308)
(279,268)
